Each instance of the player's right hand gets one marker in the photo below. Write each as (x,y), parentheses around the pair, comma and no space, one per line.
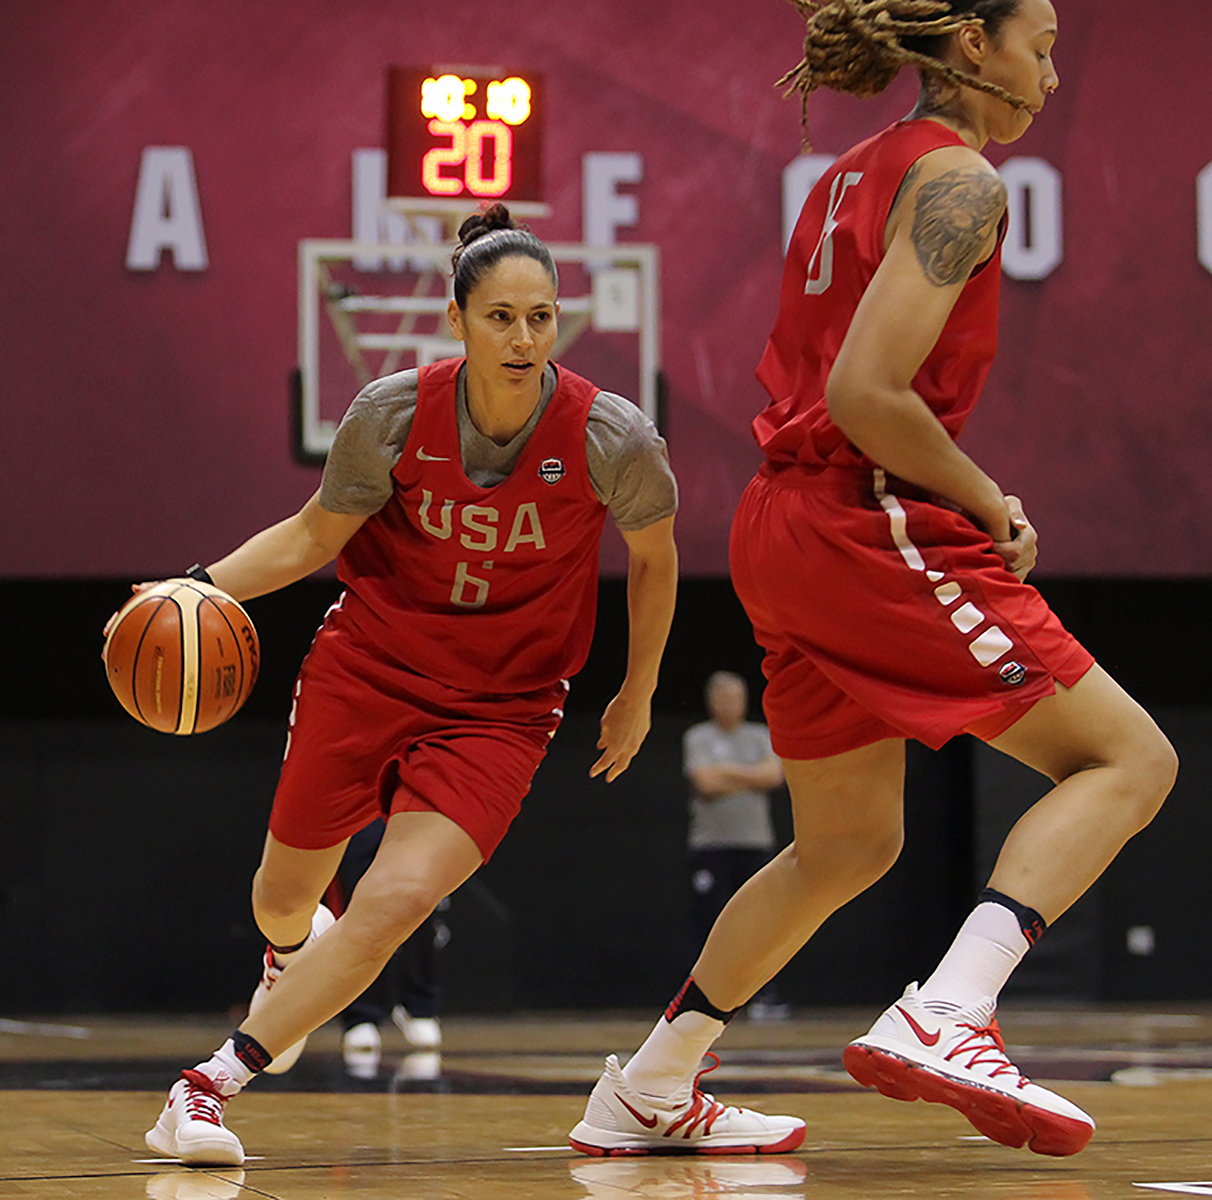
(1020,551)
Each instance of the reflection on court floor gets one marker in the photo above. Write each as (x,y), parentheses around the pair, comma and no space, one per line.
(488,1117)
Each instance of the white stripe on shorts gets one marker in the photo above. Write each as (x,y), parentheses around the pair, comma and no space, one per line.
(896,516)
(988,646)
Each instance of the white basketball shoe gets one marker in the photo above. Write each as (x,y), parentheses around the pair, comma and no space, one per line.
(321,922)
(960,1059)
(425,1033)
(191,1126)
(619,1120)
(361,1050)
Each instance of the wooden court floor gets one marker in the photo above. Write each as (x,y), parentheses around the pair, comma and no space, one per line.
(487,1118)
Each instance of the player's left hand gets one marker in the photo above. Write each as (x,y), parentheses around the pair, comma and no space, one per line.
(1020,552)
(135,588)
(625,724)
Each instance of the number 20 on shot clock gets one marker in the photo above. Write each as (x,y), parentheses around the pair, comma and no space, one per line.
(464,134)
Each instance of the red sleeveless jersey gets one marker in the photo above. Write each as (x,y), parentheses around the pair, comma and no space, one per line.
(490,590)
(835,250)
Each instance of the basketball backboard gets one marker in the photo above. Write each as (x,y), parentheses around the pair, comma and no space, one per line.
(368,309)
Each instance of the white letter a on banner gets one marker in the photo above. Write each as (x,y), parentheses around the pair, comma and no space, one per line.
(167,213)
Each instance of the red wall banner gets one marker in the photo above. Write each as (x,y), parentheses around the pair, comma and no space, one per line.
(145,420)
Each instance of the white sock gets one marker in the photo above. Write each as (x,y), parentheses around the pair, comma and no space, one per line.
(988,947)
(670,1056)
(225,1070)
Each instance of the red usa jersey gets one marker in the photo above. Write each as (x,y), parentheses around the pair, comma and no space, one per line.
(485,589)
(835,250)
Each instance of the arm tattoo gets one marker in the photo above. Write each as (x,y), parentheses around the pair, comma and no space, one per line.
(907,185)
(955,217)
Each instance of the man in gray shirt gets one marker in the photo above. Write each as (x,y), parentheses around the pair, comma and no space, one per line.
(732,771)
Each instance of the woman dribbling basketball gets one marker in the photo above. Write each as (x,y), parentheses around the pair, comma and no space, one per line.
(464,504)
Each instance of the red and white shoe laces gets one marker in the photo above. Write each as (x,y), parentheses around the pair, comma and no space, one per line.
(913,1052)
(984,1049)
(202,1102)
(620,1121)
(704,1108)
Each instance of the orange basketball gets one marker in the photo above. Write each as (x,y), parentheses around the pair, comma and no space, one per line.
(182,656)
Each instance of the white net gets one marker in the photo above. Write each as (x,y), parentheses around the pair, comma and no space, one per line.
(367,309)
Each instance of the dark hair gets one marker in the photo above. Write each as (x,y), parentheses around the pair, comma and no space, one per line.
(485,238)
(991,14)
(860,46)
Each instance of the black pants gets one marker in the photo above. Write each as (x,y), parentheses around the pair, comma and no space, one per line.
(715,875)
(410,977)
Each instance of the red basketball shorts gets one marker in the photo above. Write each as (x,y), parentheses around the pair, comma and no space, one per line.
(884,615)
(369,738)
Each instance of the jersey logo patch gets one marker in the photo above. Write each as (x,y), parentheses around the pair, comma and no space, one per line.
(1012,674)
(551,470)
(423,457)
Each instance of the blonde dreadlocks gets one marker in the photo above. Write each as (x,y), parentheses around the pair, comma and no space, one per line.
(859,46)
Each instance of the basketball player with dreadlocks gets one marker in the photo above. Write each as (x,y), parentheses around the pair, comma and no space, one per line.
(884,571)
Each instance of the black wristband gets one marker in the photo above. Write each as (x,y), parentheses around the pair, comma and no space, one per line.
(200,573)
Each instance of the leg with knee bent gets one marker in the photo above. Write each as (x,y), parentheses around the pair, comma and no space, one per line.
(848,829)
(424,856)
(386,908)
(1112,768)
(848,832)
(287,887)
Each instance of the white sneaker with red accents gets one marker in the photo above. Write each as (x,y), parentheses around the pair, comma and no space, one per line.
(619,1120)
(960,1059)
(321,922)
(191,1126)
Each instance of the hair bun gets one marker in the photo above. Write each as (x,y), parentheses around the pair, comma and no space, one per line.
(849,50)
(495,216)
(477,253)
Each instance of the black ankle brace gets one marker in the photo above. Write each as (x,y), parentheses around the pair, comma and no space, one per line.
(1029,921)
(250,1052)
(691,999)
(289,949)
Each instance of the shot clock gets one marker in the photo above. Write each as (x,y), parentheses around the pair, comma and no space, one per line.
(464,134)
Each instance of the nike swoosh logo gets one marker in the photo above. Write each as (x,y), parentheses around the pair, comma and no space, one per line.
(429,457)
(926,1039)
(647,1122)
